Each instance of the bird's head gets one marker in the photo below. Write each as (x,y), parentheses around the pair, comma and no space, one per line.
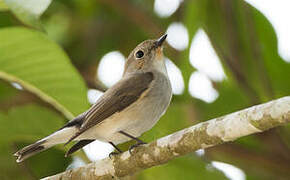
(146,56)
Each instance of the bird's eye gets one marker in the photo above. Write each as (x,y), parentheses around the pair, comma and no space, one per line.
(139,54)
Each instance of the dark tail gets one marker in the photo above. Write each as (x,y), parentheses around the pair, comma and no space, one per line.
(60,136)
(30,150)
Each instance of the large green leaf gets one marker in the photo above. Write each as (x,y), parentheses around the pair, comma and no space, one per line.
(6,91)
(41,67)
(21,126)
(247,45)
(29,123)
(28,11)
(3,6)
(275,66)
(44,164)
(9,169)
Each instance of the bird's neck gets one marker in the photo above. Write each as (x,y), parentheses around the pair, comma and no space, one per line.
(159,65)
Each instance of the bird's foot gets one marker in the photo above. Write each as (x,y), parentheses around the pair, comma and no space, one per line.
(139,143)
(113,154)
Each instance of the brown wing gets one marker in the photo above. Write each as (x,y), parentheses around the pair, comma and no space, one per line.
(117,98)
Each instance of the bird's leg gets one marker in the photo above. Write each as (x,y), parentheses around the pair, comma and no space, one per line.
(115,153)
(139,141)
(132,137)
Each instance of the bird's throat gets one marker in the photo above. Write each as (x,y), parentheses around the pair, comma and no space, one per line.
(159,54)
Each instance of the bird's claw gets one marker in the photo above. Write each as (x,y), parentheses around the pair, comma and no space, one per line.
(136,145)
(113,154)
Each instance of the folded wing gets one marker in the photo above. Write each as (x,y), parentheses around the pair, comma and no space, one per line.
(117,98)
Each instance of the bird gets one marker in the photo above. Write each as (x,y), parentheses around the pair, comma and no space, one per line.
(125,111)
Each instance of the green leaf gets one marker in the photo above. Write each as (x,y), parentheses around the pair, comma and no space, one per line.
(29,122)
(7,19)
(247,46)
(41,67)
(21,126)
(3,6)
(275,66)
(28,11)
(6,91)
(10,169)
(44,164)
(55,162)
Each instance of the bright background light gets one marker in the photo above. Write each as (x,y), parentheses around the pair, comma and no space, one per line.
(177,36)
(203,57)
(201,87)
(230,171)
(200,152)
(278,13)
(94,95)
(111,68)
(175,77)
(98,150)
(76,162)
(16,85)
(165,8)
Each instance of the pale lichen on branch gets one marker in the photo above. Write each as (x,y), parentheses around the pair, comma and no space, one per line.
(210,133)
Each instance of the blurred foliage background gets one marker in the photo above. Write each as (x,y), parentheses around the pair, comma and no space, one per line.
(49,58)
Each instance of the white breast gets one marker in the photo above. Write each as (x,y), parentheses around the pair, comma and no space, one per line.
(138,117)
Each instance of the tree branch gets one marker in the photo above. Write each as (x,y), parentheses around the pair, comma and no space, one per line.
(203,135)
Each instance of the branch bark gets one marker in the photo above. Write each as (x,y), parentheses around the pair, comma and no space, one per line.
(203,135)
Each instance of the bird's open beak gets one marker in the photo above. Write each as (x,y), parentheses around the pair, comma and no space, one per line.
(160,41)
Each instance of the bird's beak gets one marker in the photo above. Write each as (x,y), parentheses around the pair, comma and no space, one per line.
(158,45)
(160,41)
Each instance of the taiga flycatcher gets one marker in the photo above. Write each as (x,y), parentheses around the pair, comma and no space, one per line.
(125,111)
